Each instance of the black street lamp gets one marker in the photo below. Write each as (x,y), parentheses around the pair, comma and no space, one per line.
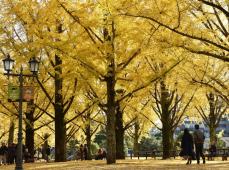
(8,67)
(34,65)
(8,64)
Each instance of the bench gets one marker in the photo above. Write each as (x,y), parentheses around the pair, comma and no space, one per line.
(224,153)
(152,154)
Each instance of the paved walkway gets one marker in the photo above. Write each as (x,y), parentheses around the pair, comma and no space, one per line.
(125,165)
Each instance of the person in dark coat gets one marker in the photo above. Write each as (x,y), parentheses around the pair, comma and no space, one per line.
(3,153)
(85,152)
(81,152)
(11,153)
(187,146)
(48,152)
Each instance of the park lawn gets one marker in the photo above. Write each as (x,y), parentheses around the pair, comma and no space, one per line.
(124,165)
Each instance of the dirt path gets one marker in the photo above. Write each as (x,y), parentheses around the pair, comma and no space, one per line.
(124,165)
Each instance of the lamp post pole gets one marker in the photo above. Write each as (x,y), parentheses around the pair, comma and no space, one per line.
(19,159)
(8,65)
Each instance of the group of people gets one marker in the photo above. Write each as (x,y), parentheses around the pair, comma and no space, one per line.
(101,154)
(45,152)
(189,141)
(83,151)
(7,153)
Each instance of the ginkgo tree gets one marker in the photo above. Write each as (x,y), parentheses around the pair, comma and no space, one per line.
(210,76)
(105,49)
(57,38)
(106,40)
(213,113)
(199,26)
(25,41)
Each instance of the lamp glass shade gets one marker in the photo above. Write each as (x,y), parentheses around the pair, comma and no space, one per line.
(34,65)
(8,63)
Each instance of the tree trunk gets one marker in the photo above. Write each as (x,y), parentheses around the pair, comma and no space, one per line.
(111,103)
(110,128)
(212,130)
(166,141)
(119,131)
(172,140)
(165,119)
(212,118)
(60,126)
(11,131)
(120,154)
(29,129)
(136,138)
(88,139)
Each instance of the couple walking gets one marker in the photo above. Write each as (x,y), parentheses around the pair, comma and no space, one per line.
(187,145)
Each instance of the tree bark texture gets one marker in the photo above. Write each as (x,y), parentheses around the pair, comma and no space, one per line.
(212,118)
(111,103)
(165,119)
(136,138)
(88,139)
(60,126)
(11,131)
(29,129)
(119,131)
(110,127)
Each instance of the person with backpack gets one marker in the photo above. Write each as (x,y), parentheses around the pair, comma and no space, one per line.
(199,138)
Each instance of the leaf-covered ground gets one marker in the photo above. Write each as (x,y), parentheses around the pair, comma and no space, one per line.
(124,165)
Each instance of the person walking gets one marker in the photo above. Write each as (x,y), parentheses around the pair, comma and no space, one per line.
(11,153)
(187,146)
(48,152)
(85,152)
(3,153)
(199,137)
(81,152)
(43,151)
